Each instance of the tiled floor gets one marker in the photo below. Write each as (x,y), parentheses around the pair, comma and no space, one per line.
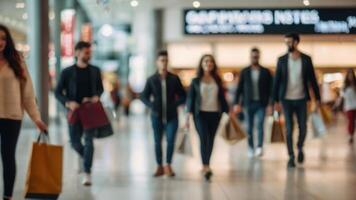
(124,163)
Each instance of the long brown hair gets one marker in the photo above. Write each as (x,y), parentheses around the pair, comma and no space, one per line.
(214,72)
(348,82)
(12,56)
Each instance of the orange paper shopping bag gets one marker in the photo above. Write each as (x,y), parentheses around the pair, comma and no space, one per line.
(44,176)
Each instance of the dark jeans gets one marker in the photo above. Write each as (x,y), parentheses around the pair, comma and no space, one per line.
(299,108)
(171,130)
(255,109)
(207,123)
(85,151)
(9,134)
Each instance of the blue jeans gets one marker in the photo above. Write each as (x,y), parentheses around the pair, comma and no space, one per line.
(171,130)
(299,108)
(207,124)
(255,109)
(85,151)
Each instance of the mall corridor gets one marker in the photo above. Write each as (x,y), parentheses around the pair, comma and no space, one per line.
(178,99)
(124,164)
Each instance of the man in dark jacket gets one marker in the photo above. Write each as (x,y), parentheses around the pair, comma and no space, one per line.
(255,88)
(79,84)
(294,76)
(163,93)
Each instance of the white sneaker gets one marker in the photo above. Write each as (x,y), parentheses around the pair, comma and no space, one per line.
(86,180)
(259,152)
(250,153)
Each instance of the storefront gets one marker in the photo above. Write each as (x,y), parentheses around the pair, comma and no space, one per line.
(328,35)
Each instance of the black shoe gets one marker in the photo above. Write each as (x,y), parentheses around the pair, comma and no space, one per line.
(300,157)
(208,175)
(291,163)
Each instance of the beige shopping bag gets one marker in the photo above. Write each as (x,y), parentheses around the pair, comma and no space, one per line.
(232,131)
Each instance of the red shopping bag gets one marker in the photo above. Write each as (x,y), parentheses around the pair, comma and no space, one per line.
(92,115)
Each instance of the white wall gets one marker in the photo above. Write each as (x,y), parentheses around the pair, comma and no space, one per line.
(236,54)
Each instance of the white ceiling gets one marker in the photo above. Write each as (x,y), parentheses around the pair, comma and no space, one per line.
(120,11)
(12,16)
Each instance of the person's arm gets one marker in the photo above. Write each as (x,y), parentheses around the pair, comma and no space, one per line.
(270,86)
(224,104)
(276,82)
(239,90)
(312,80)
(191,98)
(190,104)
(146,94)
(181,93)
(100,84)
(29,98)
(99,91)
(59,91)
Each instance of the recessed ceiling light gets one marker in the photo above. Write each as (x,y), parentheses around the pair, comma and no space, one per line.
(106,30)
(196,4)
(306,2)
(20,5)
(134,3)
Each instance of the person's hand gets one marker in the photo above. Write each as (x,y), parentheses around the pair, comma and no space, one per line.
(41,126)
(95,99)
(317,105)
(237,109)
(72,105)
(86,99)
(277,107)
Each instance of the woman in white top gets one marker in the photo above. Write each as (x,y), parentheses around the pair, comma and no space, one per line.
(206,102)
(349,98)
(16,96)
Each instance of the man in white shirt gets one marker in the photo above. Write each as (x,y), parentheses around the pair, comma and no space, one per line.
(294,75)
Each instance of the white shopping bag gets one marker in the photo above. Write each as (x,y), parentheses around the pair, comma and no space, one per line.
(318,125)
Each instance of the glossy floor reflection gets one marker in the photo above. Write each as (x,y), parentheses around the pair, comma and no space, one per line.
(124,163)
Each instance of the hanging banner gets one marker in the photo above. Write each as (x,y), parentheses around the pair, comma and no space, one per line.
(67,32)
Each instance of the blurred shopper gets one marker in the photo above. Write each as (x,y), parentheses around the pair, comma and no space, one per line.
(128,96)
(115,95)
(16,96)
(80,83)
(349,101)
(163,93)
(294,75)
(231,88)
(206,102)
(255,88)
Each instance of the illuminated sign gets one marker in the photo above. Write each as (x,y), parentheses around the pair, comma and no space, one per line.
(270,21)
